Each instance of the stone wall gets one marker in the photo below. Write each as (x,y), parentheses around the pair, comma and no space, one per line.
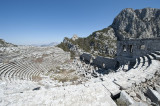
(104,62)
(129,49)
(127,52)
(99,61)
(86,57)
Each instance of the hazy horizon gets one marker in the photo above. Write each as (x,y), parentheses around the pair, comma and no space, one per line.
(42,22)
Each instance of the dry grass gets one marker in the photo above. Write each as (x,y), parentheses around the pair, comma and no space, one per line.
(64,75)
(6,61)
(75,78)
(36,78)
(63,71)
(71,71)
(45,55)
(39,60)
(66,78)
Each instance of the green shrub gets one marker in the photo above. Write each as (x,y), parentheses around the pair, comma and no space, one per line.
(90,42)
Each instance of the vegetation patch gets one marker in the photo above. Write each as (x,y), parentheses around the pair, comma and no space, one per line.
(39,60)
(36,78)
(62,75)
(94,42)
(5,44)
(66,78)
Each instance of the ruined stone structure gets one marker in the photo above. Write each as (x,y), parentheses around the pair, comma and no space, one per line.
(130,49)
(127,52)
(86,57)
(103,62)
(99,61)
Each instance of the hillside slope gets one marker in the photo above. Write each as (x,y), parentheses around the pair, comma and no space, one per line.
(101,43)
(129,23)
(5,44)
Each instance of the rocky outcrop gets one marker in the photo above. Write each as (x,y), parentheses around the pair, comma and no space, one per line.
(5,44)
(140,23)
(74,37)
(105,42)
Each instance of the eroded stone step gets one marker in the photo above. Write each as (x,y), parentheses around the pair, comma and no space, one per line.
(157,52)
(157,57)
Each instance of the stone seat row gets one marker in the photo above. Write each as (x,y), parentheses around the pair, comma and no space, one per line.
(18,71)
(144,69)
(25,70)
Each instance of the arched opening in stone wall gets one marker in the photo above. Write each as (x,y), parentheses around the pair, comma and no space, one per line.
(104,66)
(124,48)
(117,65)
(131,48)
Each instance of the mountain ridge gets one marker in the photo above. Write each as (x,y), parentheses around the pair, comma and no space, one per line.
(129,23)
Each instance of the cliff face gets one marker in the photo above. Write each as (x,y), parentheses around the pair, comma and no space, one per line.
(129,23)
(140,23)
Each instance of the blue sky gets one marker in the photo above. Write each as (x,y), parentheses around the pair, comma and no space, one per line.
(45,21)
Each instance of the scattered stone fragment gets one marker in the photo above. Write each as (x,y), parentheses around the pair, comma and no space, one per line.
(141,96)
(38,88)
(136,99)
(132,94)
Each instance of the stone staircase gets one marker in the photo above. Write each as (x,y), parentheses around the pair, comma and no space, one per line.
(145,68)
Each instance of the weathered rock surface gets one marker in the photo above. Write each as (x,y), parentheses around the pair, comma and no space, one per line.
(126,99)
(140,23)
(74,37)
(157,88)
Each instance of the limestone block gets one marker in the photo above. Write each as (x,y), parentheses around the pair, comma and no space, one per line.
(133,94)
(139,104)
(123,84)
(154,96)
(157,56)
(126,98)
(125,67)
(111,87)
(157,88)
